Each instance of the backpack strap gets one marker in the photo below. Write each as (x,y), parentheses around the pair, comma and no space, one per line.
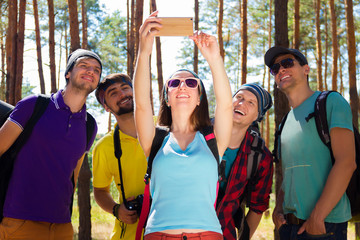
(40,107)
(5,110)
(90,127)
(321,122)
(7,159)
(160,134)
(208,133)
(118,153)
(209,136)
(254,158)
(277,144)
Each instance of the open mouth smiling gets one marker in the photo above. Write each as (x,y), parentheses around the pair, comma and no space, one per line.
(240,112)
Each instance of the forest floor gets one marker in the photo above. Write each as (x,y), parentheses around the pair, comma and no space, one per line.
(102,224)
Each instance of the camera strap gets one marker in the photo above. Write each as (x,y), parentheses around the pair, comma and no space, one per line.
(118,153)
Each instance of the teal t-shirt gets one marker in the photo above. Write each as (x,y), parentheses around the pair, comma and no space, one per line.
(306,161)
(229,156)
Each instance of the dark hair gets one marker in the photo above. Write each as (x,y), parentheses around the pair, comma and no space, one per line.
(200,117)
(108,81)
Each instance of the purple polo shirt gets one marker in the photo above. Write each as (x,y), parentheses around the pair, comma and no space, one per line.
(40,188)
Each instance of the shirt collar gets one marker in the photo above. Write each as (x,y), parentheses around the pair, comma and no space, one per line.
(60,104)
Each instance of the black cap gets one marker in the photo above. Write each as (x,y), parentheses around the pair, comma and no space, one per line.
(273,52)
(78,54)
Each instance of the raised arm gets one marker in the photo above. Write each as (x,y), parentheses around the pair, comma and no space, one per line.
(209,48)
(143,111)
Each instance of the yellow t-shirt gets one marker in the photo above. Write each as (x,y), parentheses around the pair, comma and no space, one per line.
(133,165)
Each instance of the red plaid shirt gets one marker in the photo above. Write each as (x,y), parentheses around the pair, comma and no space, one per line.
(236,185)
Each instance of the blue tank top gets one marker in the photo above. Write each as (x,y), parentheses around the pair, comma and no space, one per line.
(183,187)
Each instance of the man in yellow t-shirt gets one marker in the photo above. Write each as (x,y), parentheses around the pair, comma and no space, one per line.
(115,94)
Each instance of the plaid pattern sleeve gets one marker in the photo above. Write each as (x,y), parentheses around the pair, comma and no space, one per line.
(259,200)
(230,204)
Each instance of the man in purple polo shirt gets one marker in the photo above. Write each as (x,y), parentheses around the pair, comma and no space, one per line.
(39,194)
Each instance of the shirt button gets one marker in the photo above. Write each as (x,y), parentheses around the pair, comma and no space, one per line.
(69,125)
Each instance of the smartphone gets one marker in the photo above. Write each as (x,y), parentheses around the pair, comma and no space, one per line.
(176,26)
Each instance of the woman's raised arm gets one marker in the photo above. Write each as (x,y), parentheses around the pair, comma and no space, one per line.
(143,110)
(209,48)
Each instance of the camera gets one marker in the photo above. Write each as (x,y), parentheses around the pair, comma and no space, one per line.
(135,204)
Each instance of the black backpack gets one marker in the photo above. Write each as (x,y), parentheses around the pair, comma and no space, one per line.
(8,158)
(160,134)
(353,189)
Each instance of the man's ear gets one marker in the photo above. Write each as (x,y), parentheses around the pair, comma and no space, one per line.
(106,108)
(307,69)
(67,75)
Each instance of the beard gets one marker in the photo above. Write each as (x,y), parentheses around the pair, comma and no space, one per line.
(124,109)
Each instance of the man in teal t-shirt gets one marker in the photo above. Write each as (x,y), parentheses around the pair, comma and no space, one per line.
(312,200)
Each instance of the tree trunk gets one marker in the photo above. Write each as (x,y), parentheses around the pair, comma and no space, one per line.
(2,84)
(60,57)
(11,41)
(138,21)
(267,135)
(318,45)
(281,105)
(131,41)
(84,44)
(38,47)
(84,201)
(196,50)
(357,230)
(219,28)
(334,45)
(243,41)
(296,37)
(354,98)
(20,50)
(158,55)
(109,122)
(326,45)
(341,76)
(52,45)
(74,25)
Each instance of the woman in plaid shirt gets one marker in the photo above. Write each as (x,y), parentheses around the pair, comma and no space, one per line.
(250,104)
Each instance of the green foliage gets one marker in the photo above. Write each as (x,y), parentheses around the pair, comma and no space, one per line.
(109,40)
(27,89)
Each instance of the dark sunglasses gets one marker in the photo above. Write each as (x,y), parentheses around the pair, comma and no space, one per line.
(189,82)
(286,63)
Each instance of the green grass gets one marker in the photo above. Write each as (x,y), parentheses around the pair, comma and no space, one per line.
(102,223)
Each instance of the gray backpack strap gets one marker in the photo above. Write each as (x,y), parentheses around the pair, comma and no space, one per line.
(254,158)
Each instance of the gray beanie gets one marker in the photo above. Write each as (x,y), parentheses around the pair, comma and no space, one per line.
(263,97)
(78,54)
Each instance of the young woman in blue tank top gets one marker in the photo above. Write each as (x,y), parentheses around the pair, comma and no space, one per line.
(184,174)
